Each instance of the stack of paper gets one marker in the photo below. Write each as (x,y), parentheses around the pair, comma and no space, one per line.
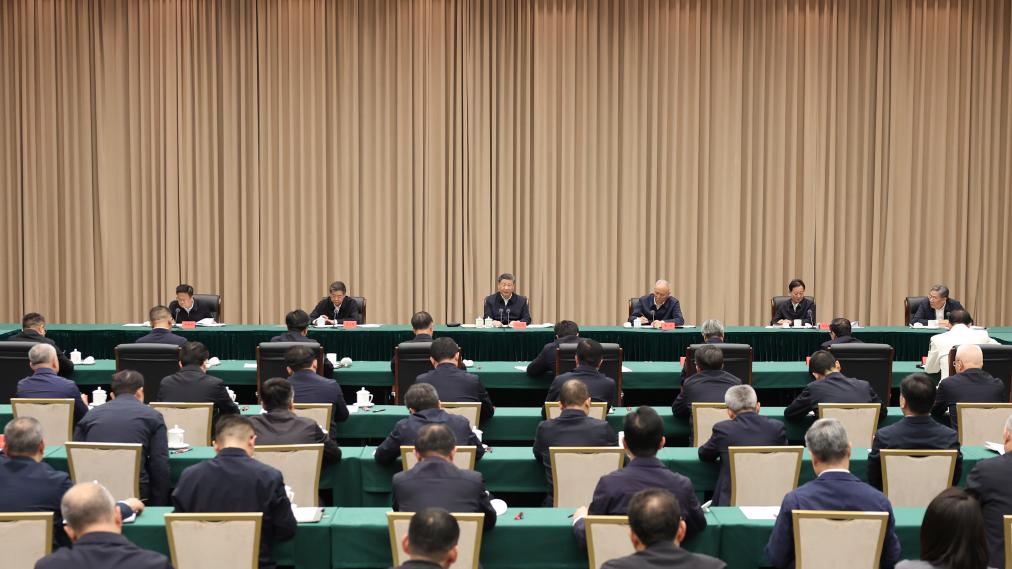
(996,447)
(760,512)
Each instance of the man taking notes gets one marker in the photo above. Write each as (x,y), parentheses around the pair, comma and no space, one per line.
(657,308)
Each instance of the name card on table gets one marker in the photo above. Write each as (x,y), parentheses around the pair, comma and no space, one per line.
(823,325)
(189,324)
(668,326)
(518,325)
(350,324)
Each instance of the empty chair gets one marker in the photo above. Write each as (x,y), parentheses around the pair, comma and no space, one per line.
(607,539)
(762,476)
(214,541)
(55,415)
(997,362)
(704,417)
(839,539)
(979,423)
(598,410)
(912,478)
(299,466)
(910,305)
(464,458)
(468,544)
(576,470)
(27,537)
(737,361)
(471,410)
(213,304)
(153,361)
(271,359)
(859,419)
(319,412)
(117,466)
(14,367)
(870,362)
(611,363)
(193,418)
(411,359)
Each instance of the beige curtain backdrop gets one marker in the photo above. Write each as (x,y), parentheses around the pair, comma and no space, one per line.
(416,148)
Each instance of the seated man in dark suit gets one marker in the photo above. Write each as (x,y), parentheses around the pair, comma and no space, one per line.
(191,384)
(161,329)
(796,307)
(422,400)
(566,332)
(658,307)
(33,329)
(233,481)
(504,306)
(971,384)
(712,331)
(338,306)
(436,482)
(831,386)
(573,428)
(644,436)
(126,419)
(658,529)
(938,306)
(839,333)
(94,523)
(44,383)
(589,356)
(281,426)
(746,428)
(917,430)
(421,326)
(452,383)
(431,540)
(186,308)
(834,488)
(707,385)
(312,388)
(989,480)
(297,322)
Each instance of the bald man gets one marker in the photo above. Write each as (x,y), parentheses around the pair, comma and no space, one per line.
(971,384)
(658,307)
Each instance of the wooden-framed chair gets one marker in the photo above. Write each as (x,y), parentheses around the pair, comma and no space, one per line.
(912,478)
(979,423)
(468,544)
(27,537)
(319,412)
(117,466)
(772,472)
(299,465)
(598,410)
(859,419)
(470,410)
(576,470)
(704,417)
(850,539)
(214,540)
(153,361)
(55,415)
(465,457)
(193,418)
(607,539)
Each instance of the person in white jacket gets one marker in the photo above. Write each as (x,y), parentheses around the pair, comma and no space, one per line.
(959,334)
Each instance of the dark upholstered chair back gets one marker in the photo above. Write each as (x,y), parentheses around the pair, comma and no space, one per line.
(361,302)
(212,302)
(153,361)
(271,359)
(870,362)
(411,359)
(737,360)
(997,362)
(13,368)
(910,305)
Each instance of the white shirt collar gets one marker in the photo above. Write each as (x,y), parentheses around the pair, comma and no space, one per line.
(834,470)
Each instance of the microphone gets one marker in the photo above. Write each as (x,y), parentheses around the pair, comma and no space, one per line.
(653,315)
(507,316)
(500,315)
(811,318)
(175,314)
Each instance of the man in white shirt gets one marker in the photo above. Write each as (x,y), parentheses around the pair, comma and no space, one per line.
(959,334)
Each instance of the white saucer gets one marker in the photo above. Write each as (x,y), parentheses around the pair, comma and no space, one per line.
(499,506)
(178,447)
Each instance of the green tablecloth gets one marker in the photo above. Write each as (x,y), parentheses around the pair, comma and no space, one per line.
(644,344)
(310,549)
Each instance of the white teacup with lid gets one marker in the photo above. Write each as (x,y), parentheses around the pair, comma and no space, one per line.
(177,437)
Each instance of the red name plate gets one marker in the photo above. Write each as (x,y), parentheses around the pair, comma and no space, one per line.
(350,324)
(668,326)
(823,325)
(518,325)
(189,324)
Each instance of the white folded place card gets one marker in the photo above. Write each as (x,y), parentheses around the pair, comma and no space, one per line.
(308,515)
(760,512)
(996,447)
(520,368)
(625,369)
(250,365)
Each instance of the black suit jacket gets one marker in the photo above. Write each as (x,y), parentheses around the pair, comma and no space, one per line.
(29,335)
(296,336)
(283,427)
(235,482)
(127,420)
(517,308)
(29,486)
(989,479)
(805,312)
(834,388)
(191,385)
(614,490)
(349,310)
(665,556)
(600,386)
(704,386)
(573,428)
(161,336)
(198,311)
(455,385)
(103,550)
(971,386)
(924,311)
(840,340)
(435,482)
(746,429)
(914,433)
(312,388)
(405,432)
(545,362)
(670,311)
